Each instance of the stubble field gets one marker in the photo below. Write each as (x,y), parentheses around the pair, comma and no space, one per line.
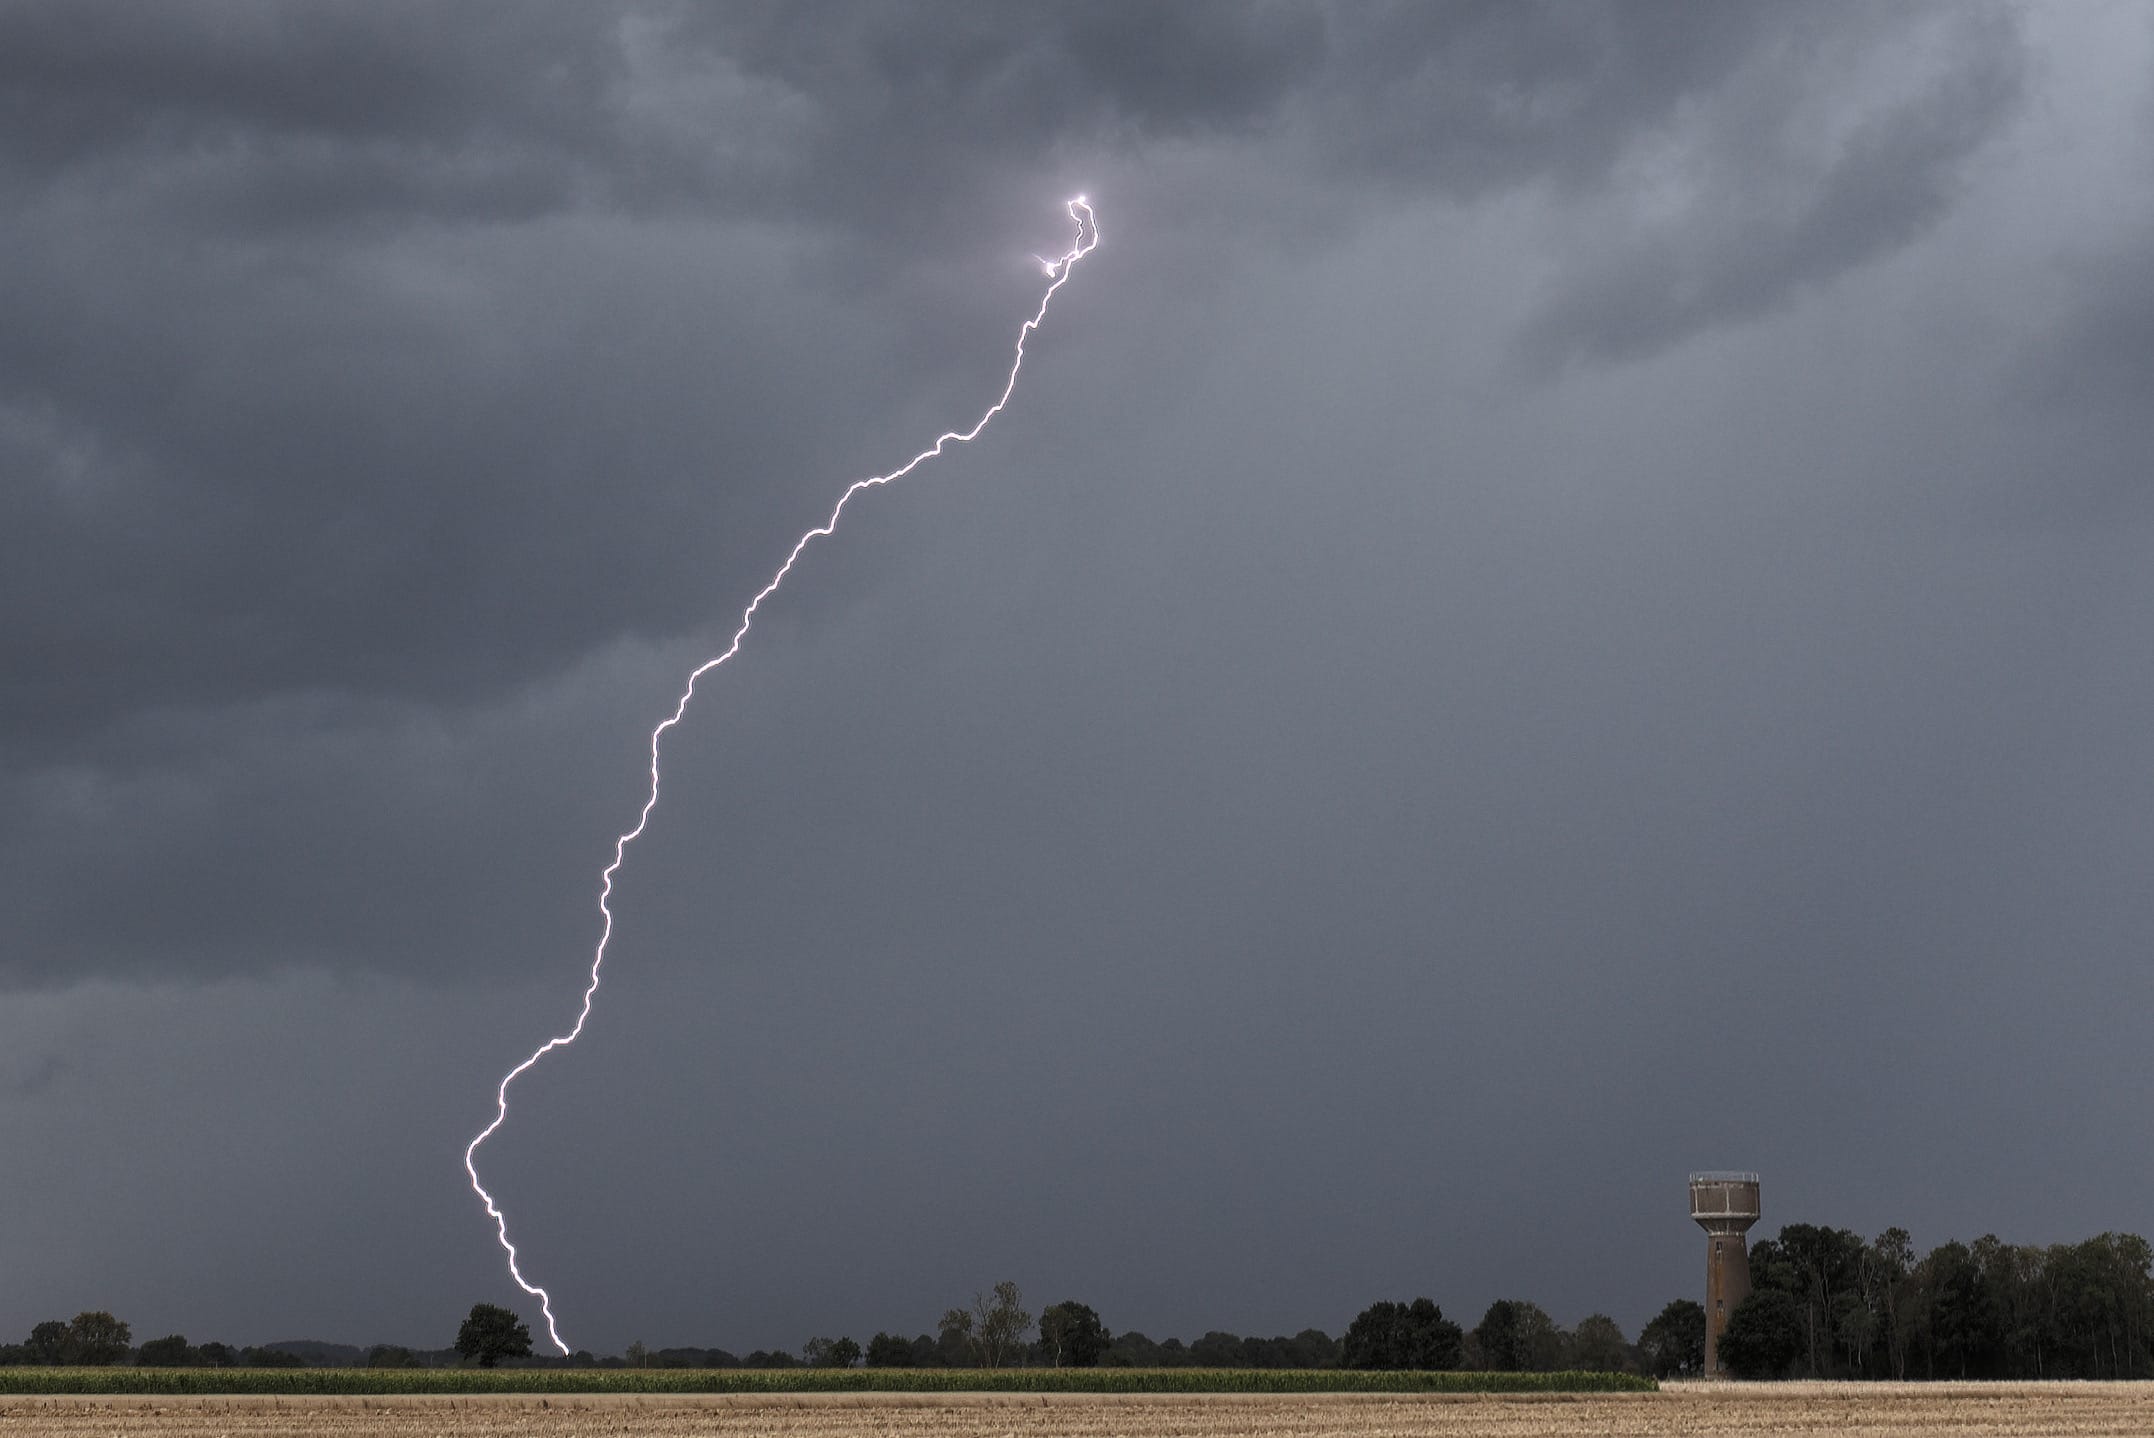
(1788,1410)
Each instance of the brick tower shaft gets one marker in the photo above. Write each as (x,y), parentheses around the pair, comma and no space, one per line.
(1724,1205)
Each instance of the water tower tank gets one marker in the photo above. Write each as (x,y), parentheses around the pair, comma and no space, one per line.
(1724,1205)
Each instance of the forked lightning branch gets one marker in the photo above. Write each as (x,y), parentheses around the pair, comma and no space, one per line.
(1058,272)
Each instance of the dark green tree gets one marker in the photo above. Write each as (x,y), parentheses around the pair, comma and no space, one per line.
(47,1343)
(1598,1345)
(1219,1349)
(1430,1340)
(887,1350)
(171,1351)
(1372,1338)
(830,1352)
(1891,1265)
(1402,1335)
(1314,1348)
(391,1355)
(490,1334)
(1957,1325)
(953,1339)
(1071,1335)
(1498,1337)
(2099,1308)
(1515,1336)
(1132,1349)
(1764,1335)
(1820,1268)
(254,1357)
(96,1339)
(1673,1344)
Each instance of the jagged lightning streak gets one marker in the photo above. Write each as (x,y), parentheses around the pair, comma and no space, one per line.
(1058,270)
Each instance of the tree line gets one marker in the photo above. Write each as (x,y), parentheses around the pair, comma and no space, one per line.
(1825,1303)
(96,1339)
(995,1330)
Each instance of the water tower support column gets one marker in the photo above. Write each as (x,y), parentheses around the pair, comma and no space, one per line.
(1724,1205)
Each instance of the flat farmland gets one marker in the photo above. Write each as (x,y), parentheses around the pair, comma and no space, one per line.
(2021,1410)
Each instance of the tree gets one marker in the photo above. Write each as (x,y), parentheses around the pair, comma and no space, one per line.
(1540,1341)
(887,1350)
(1132,1349)
(97,1339)
(171,1351)
(1402,1335)
(1220,1349)
(995,1327)
(1599,1345)
(1516,1336)
(830,1352)
(1818,1267)
(1673,1344)
(254,1357)
(1314,1348)
(953,1338)
(1764,1335)
(492,1333)
(1956,1321)
(47,1343)
(1430,1340)
(1372,1339)
(391,1355)
(1891,1266)
(1071,1335)
(1497,1336)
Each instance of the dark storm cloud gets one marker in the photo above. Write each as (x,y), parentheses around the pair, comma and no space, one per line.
(1007,87)
(384,417)
(386,365)
(1789,178)
(259,116)
(1472,97)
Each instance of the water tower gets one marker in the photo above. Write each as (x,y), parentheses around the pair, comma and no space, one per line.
(1724,1205)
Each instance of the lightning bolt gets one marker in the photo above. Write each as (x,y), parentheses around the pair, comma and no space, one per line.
(1087,238)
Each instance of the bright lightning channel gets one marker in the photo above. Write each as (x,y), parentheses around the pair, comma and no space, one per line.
(1058,270)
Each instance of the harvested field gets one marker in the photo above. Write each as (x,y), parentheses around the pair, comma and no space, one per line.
(1783,1410)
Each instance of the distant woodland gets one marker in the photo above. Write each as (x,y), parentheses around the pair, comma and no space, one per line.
(1825,1303)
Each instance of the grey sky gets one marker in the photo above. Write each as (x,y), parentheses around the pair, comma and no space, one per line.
(1544,533)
